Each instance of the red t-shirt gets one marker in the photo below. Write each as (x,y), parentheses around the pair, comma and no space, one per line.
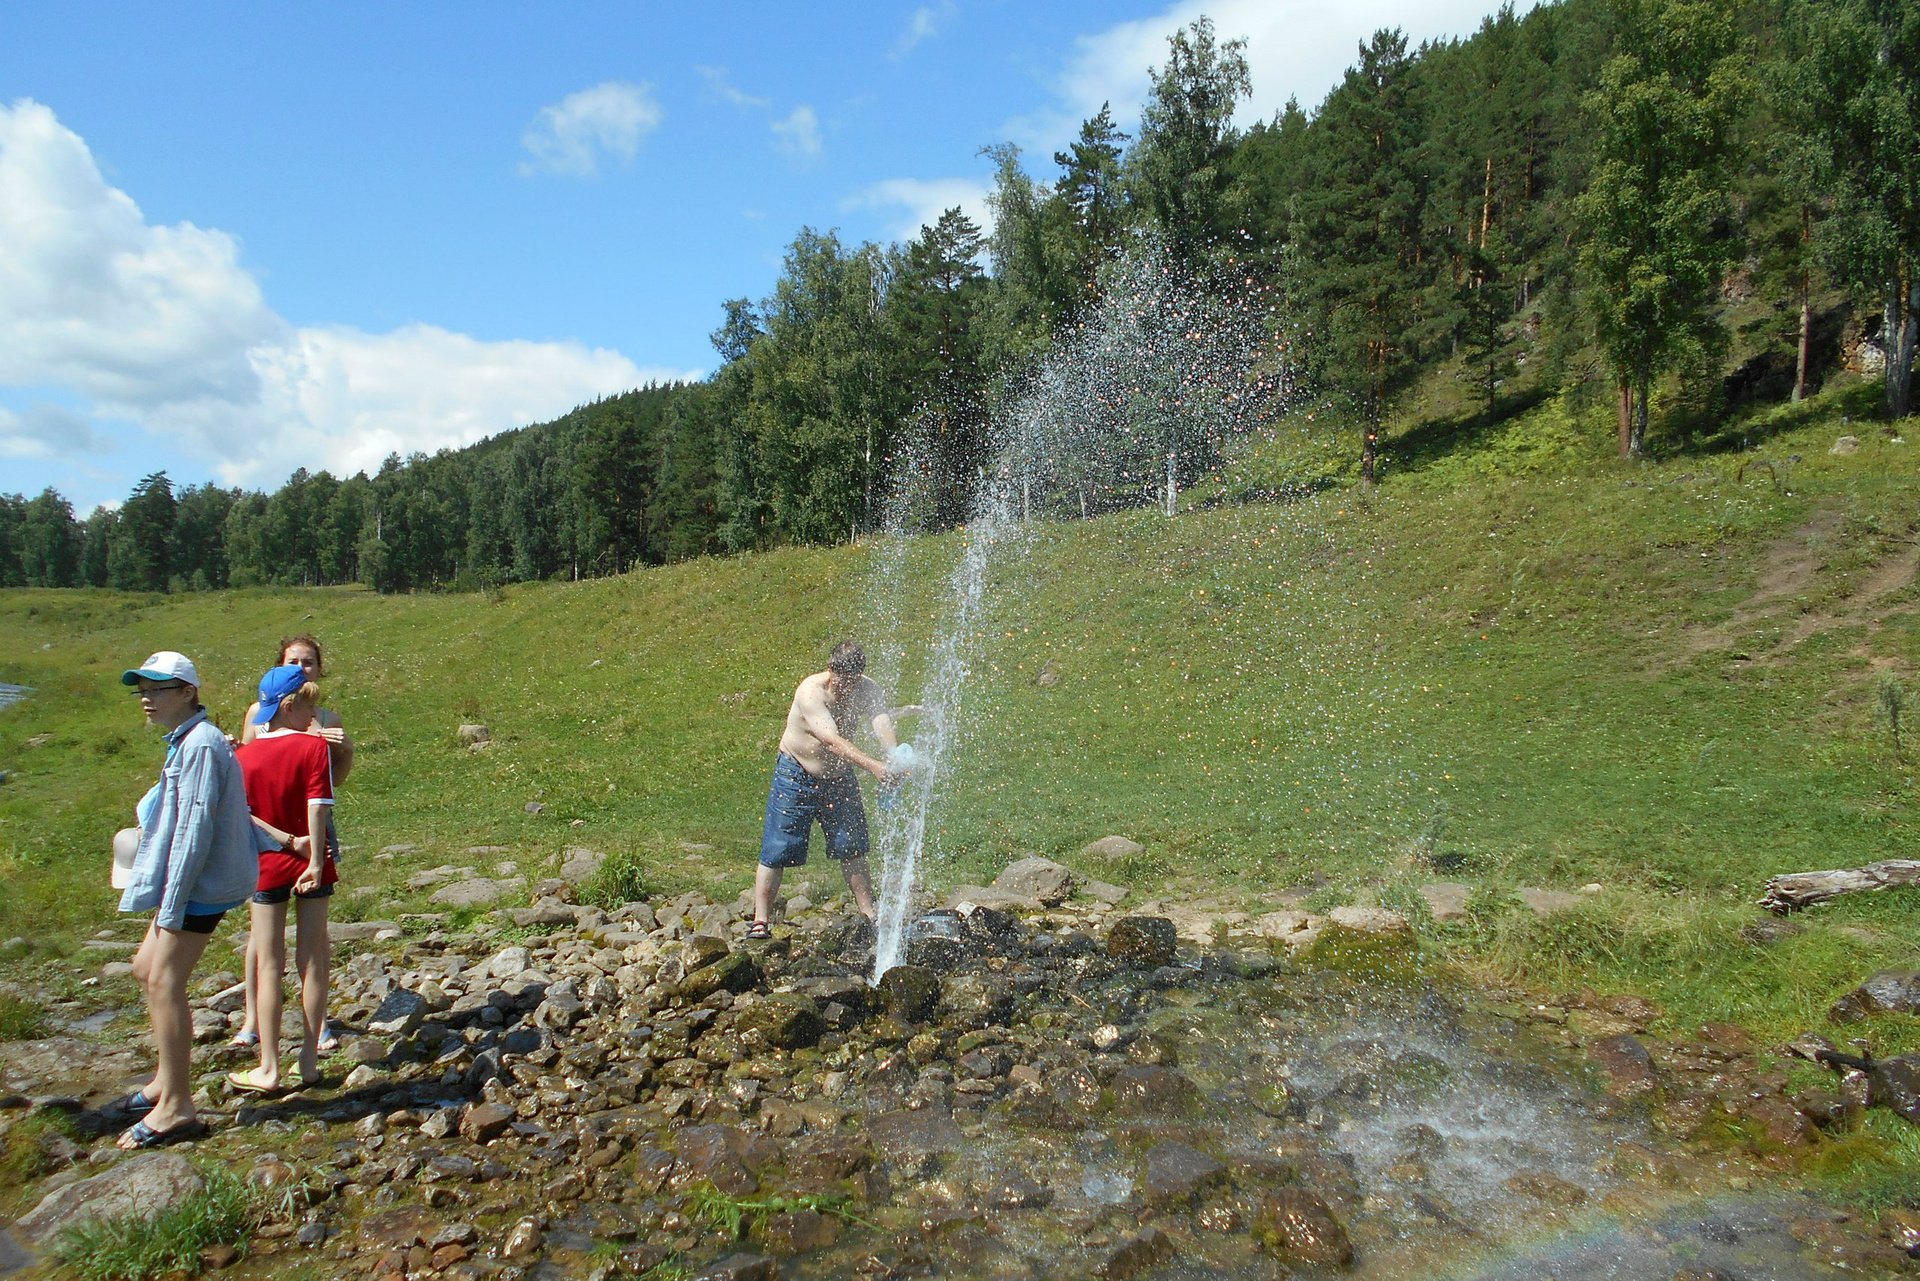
(284,770)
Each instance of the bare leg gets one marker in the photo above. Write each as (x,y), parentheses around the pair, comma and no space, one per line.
(861,883)
(313,953)
(162,965)
(766,886)
(250,1021)
(268,949)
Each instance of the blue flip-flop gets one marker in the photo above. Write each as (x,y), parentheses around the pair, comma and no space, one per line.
(145,1136)
(137,1103)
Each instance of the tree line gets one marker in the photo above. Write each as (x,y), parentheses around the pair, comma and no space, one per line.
(1580,189)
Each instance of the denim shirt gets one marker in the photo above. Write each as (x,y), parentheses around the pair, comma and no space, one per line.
(199,845)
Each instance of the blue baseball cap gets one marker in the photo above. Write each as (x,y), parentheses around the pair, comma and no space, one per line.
(276,686)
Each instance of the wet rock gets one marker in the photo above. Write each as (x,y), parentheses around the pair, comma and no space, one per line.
(1887,992)
(1134,1254)
(1299,1227)
(735,972)
(1625,1064)
(1016,1192)
(974,1000)
(1153,1090)
(827,1158)
(1036,878)
(1447,901)
(1548,1188)
(1783,1123)
(1297,931)
(701,951)
(1147,941)
(1177,1173)
(908,1136)
(910,993)
(785,1020)
(142,1186)
(717,1154)
(740,1267)
(801,1232)
(523,1241)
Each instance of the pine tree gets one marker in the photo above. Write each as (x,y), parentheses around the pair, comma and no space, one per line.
(934,305)
(1180,171)
(49,542)
(140,558)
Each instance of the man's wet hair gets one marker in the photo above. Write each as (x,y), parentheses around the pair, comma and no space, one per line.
(847,659)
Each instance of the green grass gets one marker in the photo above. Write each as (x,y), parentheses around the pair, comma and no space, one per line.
(170,1242)
(21,1019)
(737,1216)
(1520,653)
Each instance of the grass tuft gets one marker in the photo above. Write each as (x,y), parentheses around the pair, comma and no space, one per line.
(21,1019)
(226,1213)
(736,1217)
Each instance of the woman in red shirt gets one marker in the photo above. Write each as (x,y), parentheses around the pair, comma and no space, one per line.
(290,786)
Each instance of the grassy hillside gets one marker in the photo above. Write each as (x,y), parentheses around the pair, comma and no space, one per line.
(1661,678)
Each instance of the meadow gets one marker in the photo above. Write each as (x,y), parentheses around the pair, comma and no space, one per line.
(1518,660)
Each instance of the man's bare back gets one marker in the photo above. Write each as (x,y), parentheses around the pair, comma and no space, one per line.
(828,709)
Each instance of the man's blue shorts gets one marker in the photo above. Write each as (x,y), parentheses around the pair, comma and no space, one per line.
(795,800)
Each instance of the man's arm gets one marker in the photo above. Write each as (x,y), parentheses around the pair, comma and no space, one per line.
(819,722)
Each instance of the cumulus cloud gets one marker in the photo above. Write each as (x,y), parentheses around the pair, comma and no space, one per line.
(48,431)
(799,134)
(716,78)
(163,326)
(923,24)
(570,136)
(1295,48)
(923,200)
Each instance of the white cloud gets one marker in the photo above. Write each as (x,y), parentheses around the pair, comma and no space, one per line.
(1297,48)
(48,431)
(799,134)
(162,326)
(570,136)
(924,24)
(924,200)
(716,78)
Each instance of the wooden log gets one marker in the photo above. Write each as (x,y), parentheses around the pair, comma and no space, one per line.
(1804,889)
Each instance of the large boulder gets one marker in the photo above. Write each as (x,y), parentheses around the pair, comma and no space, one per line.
(141,1187)
(477,892)
(1037,878)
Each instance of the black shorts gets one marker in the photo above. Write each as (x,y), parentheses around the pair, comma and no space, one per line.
(285,892)
(192,924)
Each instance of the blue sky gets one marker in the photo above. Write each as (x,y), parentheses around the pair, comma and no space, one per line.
(235,240)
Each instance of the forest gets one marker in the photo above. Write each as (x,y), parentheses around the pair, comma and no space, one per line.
(1675,208)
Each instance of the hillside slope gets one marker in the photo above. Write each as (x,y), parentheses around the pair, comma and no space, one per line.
(1660,678)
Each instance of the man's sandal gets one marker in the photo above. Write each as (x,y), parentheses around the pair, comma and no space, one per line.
(759,930)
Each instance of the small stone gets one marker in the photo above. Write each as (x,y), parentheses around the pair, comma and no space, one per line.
(484,1121)
(1625,1064)
(522,1241)
(741,1267)
(1105,892)
(311,1234)
(1112,849)
(801,1232)
(469,735)
(1846,445)
(1371,920)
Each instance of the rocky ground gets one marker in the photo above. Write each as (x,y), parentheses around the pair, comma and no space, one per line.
(1055,1085)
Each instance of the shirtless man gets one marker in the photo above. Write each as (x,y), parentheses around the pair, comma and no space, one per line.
(813,778)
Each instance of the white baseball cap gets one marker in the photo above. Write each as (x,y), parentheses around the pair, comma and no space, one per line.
(167,665)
